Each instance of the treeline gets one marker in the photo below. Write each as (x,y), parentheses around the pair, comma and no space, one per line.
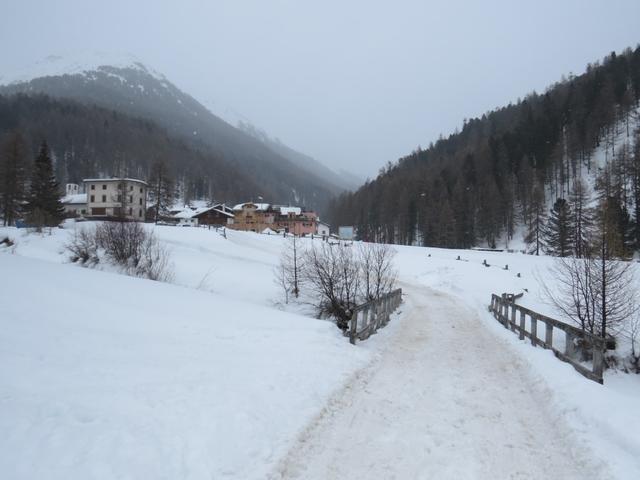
(31,194)
(506,168)
(89,141)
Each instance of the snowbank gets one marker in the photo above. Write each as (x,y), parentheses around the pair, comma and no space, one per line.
(106,376)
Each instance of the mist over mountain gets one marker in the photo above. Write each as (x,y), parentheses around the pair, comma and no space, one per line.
(343,179)
(280,174)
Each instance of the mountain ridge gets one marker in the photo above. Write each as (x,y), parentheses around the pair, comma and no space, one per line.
(137,91)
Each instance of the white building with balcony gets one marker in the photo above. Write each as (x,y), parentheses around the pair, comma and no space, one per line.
(116,198)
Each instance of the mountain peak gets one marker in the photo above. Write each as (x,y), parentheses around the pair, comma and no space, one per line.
(56,65)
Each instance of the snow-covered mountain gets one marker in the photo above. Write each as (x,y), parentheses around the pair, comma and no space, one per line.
(56,65)
(125,84)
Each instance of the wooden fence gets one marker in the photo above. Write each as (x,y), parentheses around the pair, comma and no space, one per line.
(369,317)
(578,344)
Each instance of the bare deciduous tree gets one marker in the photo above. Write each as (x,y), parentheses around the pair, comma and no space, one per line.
(333,274)
(288,273)
(598,294)
(342,276)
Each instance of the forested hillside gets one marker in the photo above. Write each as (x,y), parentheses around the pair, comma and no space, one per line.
(89,141)
(132,89)
(508,167)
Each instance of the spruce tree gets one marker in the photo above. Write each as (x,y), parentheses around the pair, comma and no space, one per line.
(44,207)
(582,217)
(559,232)
(538,215)
(161,188)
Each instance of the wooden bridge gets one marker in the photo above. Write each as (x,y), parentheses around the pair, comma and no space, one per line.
(371,316)
(578,346)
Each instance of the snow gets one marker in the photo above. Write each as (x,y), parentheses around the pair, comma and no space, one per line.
(76,198)
(78,64)
(259,206)
(290,210)
(107,376)
(123,179)
(472,411)
(190,212)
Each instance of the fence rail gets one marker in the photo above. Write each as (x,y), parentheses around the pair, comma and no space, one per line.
(371,316)
(578,344)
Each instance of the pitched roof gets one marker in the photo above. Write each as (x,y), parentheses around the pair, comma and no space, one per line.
(260,206)
(189,212)
(74,199)
(114,180)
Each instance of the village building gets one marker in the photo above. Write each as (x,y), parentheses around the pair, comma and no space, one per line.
(258,217)
(252,217)
(74,202)
(323,230)
(215,215)
(116,198)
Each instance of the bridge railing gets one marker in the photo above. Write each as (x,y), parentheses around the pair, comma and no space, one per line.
(579,347)
(371,316)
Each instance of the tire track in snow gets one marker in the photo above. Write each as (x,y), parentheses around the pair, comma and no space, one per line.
(446,399)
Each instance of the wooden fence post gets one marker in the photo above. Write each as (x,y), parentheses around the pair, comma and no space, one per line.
(569,345)
(505,317)
(354,328)
(598,358)
(548,336)
(534,330)
(513,317)
(522,324)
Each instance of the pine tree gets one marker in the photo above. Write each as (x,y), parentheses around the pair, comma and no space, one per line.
(12,177)
(44,207)
(559,231)
(582,218)
(538,214)
(161,186)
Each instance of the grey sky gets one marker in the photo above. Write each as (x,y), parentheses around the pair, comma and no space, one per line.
(353,83)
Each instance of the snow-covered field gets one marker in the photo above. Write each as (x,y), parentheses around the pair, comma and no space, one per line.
(108,376)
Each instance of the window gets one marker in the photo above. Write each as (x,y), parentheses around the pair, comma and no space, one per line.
(93,197)
(104,186)
(140,189)
(104,198)
(130,198)
(98,211)
(119,198)
(93,187)
(140,201)
(140,213)
(130,211)
(131,188)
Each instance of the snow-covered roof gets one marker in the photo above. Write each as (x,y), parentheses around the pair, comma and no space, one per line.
(77,198)
(260,206)
(290,210)
(91,180)
(190,212)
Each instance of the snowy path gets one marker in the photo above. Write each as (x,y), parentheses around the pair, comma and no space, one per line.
(447,399)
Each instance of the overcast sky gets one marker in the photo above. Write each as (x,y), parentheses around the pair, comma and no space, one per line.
(352,83)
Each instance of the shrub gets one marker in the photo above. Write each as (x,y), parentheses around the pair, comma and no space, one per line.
(127,245)
(83,248)
(7,242)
